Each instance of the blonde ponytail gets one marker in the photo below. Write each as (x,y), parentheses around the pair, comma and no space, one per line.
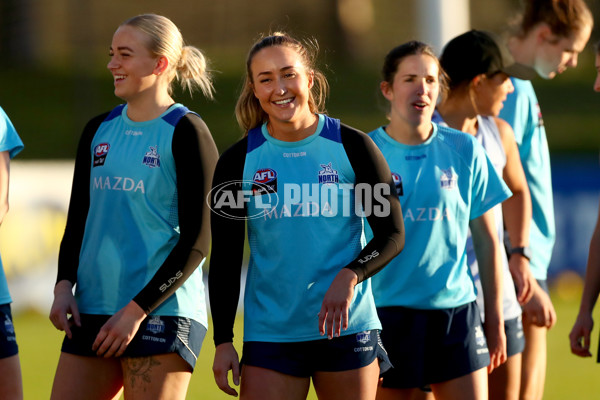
(187,64)
(193,73)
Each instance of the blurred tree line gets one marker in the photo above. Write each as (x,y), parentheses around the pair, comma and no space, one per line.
(53,76)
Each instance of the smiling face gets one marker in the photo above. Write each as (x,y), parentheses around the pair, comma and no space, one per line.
(133,67)
(281,83)
(555,54)
(414,91)
(490,93)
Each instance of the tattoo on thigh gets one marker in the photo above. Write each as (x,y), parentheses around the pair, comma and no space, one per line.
(139,370)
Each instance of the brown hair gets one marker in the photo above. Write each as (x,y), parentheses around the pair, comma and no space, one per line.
(248,110)
(395,56)
(564,17)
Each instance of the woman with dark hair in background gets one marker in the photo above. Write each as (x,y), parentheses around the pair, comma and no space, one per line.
(425,298)
(479,68)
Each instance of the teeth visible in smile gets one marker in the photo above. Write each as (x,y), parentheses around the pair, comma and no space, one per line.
(281,102)
(117,77)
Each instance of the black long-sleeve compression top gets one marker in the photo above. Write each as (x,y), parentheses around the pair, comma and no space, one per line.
(228,234)
(195,156)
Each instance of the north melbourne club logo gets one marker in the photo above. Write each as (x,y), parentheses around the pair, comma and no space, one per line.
(155,325)
(328,174)
(100,153)
(152,158)
(363,337)
(448,180)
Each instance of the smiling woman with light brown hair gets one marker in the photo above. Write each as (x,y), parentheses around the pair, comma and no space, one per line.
(308,307)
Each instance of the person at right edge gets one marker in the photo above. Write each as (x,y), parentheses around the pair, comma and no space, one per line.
(548,36)
(579,337)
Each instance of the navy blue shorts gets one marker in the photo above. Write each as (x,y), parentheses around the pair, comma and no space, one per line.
(432,346)
(515,337)
(303,359)
(8,340)
(156,335)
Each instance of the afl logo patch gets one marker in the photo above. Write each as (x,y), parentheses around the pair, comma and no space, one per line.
(265,181)
(100,153)
(398,183)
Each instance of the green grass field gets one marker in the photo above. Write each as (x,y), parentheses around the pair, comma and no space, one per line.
(569,377)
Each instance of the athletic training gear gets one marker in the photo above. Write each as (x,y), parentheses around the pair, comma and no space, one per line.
(522,111)
(303,229)
(432,346)
(489,137)
(11,142)
(515,337)
(8,340)
(136,227)
(156,335)
(442,184)
(305,358)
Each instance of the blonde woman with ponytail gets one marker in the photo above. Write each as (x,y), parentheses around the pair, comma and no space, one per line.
(137,230)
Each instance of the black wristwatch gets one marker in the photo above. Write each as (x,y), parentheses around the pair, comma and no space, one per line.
(524,251)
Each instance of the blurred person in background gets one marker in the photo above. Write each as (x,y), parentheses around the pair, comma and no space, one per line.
(548,36)
(308,307)
(582,329)
(137,229)
(10,367)
(479,68)
(425,298)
